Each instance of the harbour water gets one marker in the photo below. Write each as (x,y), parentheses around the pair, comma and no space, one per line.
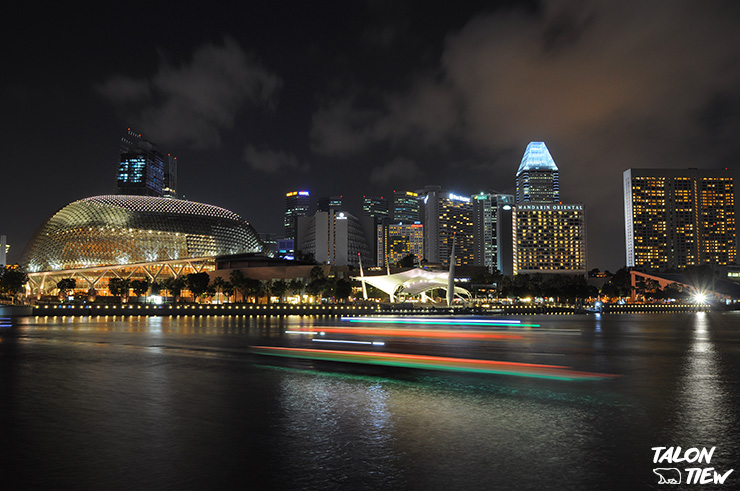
(187,403)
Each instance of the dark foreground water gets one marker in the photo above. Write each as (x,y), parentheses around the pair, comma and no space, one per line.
(182,403)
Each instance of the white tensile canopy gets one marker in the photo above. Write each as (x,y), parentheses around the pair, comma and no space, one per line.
(412,282)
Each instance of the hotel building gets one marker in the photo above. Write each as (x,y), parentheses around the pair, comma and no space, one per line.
(679,217)
(549,236)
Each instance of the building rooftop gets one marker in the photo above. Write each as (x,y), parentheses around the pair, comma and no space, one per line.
(536,157)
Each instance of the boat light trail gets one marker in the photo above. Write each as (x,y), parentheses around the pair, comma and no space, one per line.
(553,372)
(413,333)
(373,343)
(423,320)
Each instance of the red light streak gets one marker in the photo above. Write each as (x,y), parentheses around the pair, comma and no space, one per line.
(419,333)
(433,362)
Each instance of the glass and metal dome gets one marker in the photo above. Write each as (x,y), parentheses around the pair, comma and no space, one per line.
(118,230)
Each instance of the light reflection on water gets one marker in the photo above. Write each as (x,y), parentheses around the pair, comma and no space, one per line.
(160,402)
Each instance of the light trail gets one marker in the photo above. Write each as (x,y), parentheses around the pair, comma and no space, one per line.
(373,343)
(416,333)
(438,321)
(554,372)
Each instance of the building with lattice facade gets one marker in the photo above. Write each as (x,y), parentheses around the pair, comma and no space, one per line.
(133,237)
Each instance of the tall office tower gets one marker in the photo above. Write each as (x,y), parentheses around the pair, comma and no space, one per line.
(679,217)
(329,203)
(169,187)
(333,237)
(447,215)
(550,238)
(405,207)
(395,241)
(375,207)
(537,179)
(297,204)
(141,168)
(493,232)
(374,214)
(3,250)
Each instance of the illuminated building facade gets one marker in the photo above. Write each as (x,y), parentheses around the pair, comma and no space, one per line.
(493,231)
(447,215)
(332,237)
(329,203)
(537,179)
(3,250)
(405,207)
(375,207)
(144,237)
(550,238)
(395,241)
(297,204)
(143,170)
(679,217)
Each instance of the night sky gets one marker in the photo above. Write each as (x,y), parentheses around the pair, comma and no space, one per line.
(364,97)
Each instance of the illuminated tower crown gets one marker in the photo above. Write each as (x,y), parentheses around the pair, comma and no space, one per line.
(537,179)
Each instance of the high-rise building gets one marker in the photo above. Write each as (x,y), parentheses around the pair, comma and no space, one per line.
(374,215)
(141,170)
(169,186)
(375,207)
(333,237)
(329,203)
(537,179)
(395,241)
(3,250)
(297,204)
(550,238)
(405,207)
(447,215)
(493,231)
(679,217)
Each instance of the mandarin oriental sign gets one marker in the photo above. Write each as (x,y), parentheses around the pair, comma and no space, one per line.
(545,207)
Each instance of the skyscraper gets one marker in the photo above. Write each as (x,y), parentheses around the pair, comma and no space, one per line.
(493,232)
(329,203)
(332,237)
(141,169)
(537,179)
(395,241)
(405,207)
(447,215)
(679,217)
(169,186)
(375,207)
(549,236)
(297,204)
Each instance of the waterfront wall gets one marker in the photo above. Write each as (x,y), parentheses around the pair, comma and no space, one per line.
(338,309)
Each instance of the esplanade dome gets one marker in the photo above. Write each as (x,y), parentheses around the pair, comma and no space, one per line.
(119,230)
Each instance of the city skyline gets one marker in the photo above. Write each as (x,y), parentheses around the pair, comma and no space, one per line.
(364,99)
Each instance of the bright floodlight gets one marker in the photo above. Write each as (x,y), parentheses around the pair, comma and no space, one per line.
(700,298)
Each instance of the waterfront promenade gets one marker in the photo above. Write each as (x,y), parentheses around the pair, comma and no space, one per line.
(348,309)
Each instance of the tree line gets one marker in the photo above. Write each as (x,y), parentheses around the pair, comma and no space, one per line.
(238,286)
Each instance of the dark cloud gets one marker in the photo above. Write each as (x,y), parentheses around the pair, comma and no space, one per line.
(398,172)
(271,161)
(375,96)
(190,104)
(608,85)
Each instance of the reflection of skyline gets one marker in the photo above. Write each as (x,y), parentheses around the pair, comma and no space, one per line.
(705,404)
